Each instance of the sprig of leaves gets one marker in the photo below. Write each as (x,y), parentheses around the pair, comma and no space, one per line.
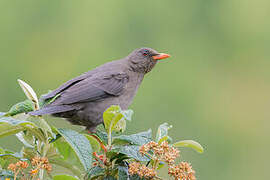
(104,155)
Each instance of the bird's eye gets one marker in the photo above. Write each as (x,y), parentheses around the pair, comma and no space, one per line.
(145,52)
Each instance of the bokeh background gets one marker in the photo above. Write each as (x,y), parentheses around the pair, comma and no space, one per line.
(214,89)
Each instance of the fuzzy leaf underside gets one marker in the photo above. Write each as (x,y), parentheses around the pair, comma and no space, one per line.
(132,151)
(21,107)
(94,172)
(134,139)
(123,173)
(80,145)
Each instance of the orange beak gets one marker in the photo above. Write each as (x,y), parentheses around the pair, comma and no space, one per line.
(161,56)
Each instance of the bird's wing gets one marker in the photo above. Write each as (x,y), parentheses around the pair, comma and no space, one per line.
(64,86)
(94,88)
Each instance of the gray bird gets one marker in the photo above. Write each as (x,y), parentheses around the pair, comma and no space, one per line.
(83,100)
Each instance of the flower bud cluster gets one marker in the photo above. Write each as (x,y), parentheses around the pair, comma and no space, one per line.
(162,151)
(40,163)
(18,165)
(141,170)
(182,171)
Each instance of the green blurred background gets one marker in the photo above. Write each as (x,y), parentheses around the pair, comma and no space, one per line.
(214,89)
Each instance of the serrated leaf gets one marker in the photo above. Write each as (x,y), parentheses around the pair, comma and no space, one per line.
(123,173)
(162,131)
(189,143)
(102,136)
(94,143)
(10,126)
(64,177)
(29,92)
(21,107)
(95,171)
(134,139)
(80,145)
(131,151)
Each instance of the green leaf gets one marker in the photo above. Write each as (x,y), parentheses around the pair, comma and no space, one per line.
(10,126)
(189,143)
(6,174)
(63,148)
(80,145)
(64,177)
(136,177)
(42,124)
(15,155)
(29,92)
(67,165)
(162,132)
(127,114)
(2,161)
(131,151)
(94,172)
(21,107)
(94,143)
(27,140)
(28,153)
(111,117)
(66,153)
(102,136)
(109,178)
(123,173)
(120,125)
(134,139)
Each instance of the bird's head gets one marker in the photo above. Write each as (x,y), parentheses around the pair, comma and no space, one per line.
(144,59)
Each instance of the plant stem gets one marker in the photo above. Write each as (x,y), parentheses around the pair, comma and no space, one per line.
(155,165)
(149,155)
(110,138)
(15,175)
(44,154)
(100,142)
(41,173)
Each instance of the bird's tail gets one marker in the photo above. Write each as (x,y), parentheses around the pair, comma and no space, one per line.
(52,110)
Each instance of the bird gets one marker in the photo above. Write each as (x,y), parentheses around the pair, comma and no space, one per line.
(83,100)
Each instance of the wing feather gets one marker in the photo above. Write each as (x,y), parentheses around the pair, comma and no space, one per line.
(94,88)
(64,87)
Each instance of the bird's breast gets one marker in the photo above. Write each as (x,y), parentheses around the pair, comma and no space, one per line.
(130,89)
